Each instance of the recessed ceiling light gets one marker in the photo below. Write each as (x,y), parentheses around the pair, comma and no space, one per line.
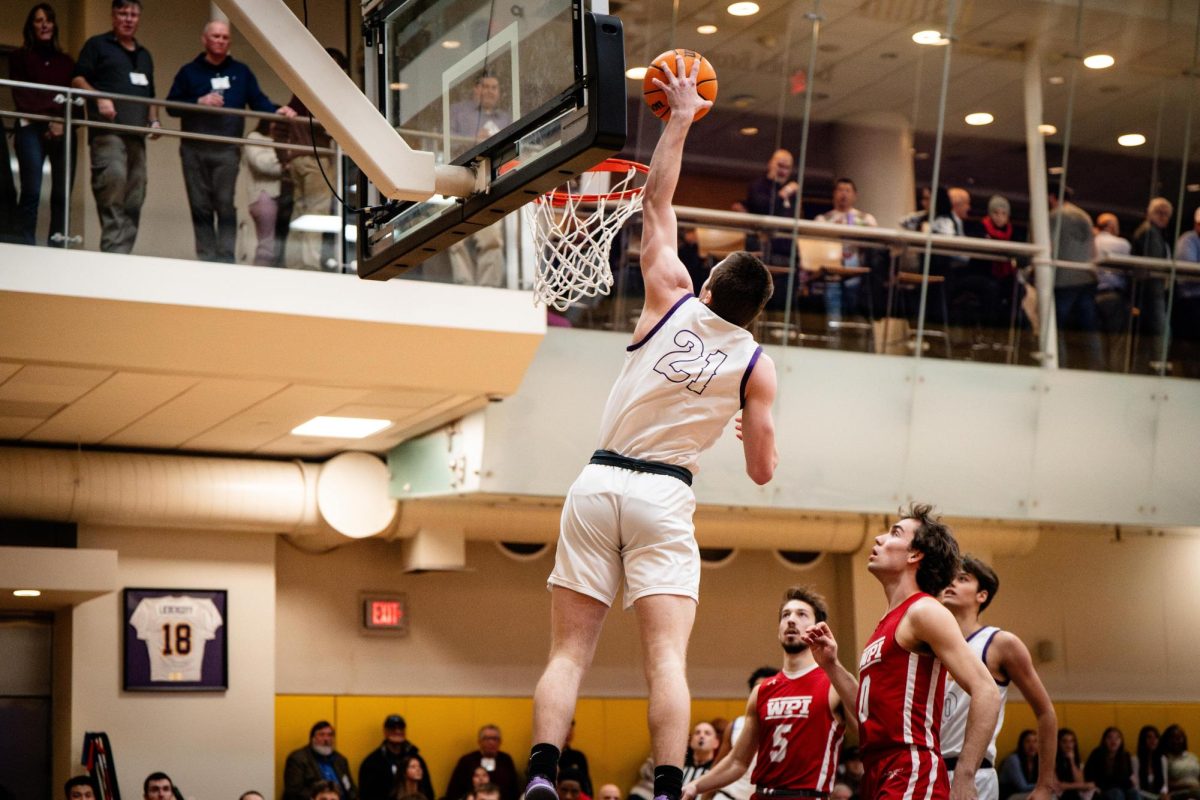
(635,73)
(1046,129)
(1131,140)
(979,118)
(1055,170)
(1099,61)
(27,593)
(1193,187)
(451,44)
(920,156)
(930,38)
(706,30)
(743,8)
(744,100)
(398,86)
(750,131)
(1056,80)
(341,427)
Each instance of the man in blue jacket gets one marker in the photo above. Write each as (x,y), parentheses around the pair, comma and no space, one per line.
(216,80)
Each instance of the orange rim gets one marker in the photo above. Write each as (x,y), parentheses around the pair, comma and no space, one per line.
(559,198)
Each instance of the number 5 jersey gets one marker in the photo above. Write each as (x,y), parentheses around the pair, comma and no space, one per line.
(175,630)
(679,387)
(798,736)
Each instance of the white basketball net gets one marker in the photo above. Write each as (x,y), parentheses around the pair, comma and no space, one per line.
(572,237)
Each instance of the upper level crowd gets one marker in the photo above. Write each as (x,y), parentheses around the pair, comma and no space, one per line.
(1161,768)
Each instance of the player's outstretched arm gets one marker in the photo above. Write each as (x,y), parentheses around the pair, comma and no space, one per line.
(1013,659)
(663,273)
(735,764)
(756,426)
(929,622)
(824,648)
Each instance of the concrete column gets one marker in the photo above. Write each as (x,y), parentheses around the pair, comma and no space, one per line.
(875,150)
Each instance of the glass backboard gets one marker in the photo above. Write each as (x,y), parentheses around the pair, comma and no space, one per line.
(533,89)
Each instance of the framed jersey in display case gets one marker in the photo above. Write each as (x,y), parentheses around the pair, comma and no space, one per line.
(175,640)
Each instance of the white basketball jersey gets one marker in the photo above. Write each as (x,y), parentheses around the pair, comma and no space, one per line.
(743,787)
(958,702)
(679,387)
(175,630)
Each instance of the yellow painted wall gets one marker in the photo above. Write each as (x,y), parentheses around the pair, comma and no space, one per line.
(611,731)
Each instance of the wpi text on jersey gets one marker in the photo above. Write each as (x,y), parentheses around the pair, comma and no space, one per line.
(795,707)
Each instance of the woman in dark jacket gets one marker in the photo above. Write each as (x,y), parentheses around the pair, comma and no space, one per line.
(1110,767)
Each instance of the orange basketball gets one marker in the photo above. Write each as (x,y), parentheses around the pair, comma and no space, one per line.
(656,98)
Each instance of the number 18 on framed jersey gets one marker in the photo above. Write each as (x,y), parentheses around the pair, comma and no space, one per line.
(175,640)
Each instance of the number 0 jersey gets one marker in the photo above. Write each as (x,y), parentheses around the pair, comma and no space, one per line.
(175,630)
(798,735)
(679,387)
(900,695)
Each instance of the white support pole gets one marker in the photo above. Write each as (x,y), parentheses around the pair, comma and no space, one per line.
(1039,214)
(400,172)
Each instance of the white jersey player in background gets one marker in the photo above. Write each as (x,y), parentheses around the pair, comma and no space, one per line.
(628,517)
(1007,658)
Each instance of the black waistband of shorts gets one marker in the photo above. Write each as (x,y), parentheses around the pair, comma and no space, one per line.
(610,459)
(767,791)
(952,762)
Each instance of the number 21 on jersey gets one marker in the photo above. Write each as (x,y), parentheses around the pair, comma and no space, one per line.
(690,362)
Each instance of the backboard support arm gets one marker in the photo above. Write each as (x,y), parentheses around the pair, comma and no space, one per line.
(397,170)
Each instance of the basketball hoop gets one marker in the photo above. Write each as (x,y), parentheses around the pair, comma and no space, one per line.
(573,233)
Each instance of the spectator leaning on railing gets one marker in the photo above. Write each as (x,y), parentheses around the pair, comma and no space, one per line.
(214,79)
(41,60)
(115,62)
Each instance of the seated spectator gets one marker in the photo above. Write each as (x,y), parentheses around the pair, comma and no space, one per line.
(842,296)
(569,784)
(488,791)
(1149,765)
(479,779)
(1019,771)
(919,219)
(318,761)
(1110,767)
(1151,240)
(574,761)
(644,788)
(984,288)
(1183,768)
(1185,306)
(158,786)
(850,768)
(251,795)
(702,747)
(1072,783)
(841,792)
(41,59)
(609,791)
(773,194)
(81,787)
(263,170)
(323,790)
(409,779)
(385,767)
(499,765)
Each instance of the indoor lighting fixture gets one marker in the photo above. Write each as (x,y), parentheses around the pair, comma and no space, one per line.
(743,8)
(1099,61)
(1055,170)
(979,118)
(398,86)
(635,73)
(930,38)
(341,427)
(706,30)
(1046,129)
(1193,187)
(451,44)
(27,593)
(1056,80)
(1131,140)
(750,131)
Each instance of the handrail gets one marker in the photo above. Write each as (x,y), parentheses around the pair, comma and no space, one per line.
(142,130)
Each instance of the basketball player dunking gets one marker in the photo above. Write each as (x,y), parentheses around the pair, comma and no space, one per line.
(794,720)
(1007,659)
(901,684)
(628,516)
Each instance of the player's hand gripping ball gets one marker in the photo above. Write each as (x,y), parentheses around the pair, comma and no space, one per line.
(656,98)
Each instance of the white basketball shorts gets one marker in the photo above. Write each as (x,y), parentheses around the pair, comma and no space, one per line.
(618,524)
(987,783)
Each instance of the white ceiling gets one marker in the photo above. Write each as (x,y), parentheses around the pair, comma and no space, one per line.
(150,354)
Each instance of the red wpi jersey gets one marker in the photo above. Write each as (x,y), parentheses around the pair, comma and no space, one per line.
(900,695)
(798,736)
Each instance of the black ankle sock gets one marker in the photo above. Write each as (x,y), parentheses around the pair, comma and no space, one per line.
(668,781)
(543,761)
